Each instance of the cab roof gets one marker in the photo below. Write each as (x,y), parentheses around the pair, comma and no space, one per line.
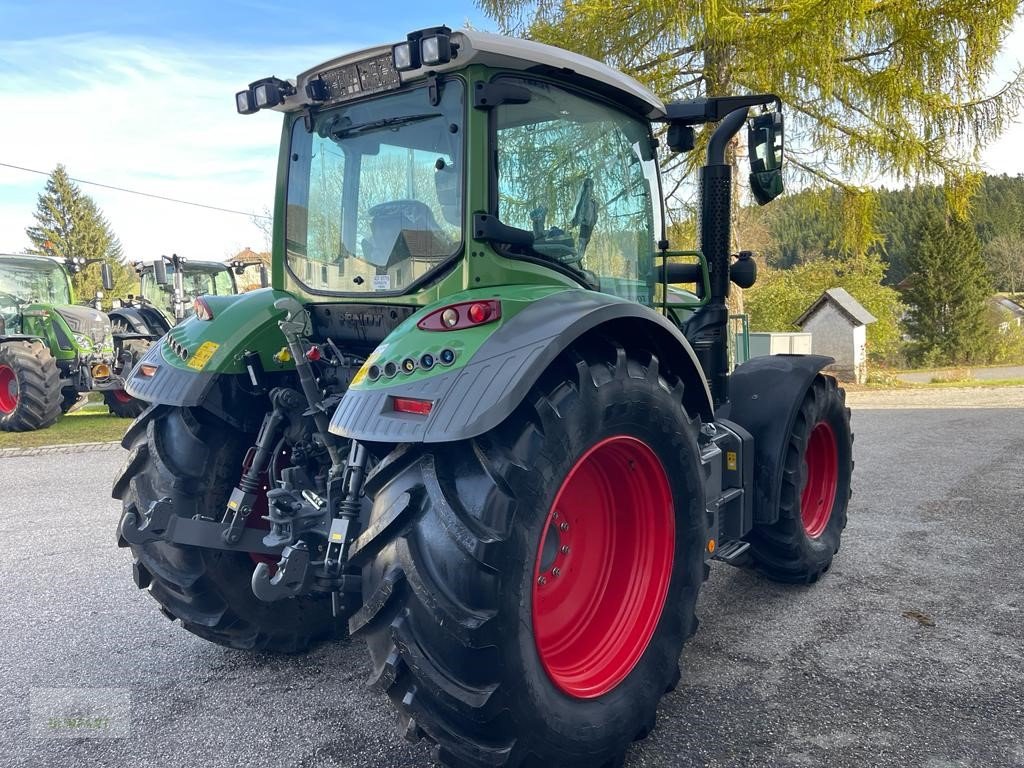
(475,47)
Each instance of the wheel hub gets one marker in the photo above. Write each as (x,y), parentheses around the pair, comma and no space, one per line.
(8,389)
(819,492)
(603,567)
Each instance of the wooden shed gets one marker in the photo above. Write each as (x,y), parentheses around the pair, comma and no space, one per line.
(838,326)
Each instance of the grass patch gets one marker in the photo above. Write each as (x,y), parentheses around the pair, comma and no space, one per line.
(85,426)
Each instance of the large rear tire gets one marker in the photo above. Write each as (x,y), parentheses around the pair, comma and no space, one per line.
(527,593)
(815,494)
(195,460)
(30,396)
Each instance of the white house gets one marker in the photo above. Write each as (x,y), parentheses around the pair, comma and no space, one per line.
(838,326)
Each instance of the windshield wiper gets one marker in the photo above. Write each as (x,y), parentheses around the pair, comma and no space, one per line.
(387,122)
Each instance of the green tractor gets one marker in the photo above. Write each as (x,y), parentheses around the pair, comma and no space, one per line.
(52,351)
(471,423)
(167,289)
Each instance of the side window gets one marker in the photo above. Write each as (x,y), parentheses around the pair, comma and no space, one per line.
(582,177)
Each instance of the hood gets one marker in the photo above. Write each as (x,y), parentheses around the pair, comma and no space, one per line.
(88,322)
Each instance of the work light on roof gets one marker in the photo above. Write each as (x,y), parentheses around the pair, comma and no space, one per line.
(436,49)
(425,47)
(244,102)
(263,94)
(406,55)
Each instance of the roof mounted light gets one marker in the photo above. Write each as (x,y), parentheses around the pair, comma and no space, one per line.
(406,55)
(244,102)
(436,49)
(263,94)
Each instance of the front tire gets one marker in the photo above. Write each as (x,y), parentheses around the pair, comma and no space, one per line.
(122,404)
(596,476)
(30,396)
(815,493)
(195,460)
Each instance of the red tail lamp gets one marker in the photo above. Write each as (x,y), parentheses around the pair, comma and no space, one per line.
(411,405)
(465,314)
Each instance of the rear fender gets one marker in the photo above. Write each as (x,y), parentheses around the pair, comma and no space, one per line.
(766,394)
(498,364)
(194,355)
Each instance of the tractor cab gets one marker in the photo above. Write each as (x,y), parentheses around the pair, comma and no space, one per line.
(172,286)
(26,281)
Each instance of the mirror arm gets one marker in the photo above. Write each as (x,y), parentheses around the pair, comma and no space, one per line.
(724,133)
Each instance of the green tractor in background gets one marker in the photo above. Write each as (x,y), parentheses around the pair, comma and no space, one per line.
(473,422)
(167,289)
(52,351)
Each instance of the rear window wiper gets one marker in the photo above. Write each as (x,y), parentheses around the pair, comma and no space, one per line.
(387,122)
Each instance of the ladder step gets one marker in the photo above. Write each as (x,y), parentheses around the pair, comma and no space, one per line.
(733,552)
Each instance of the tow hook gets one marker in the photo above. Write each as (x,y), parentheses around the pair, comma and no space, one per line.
(293,575)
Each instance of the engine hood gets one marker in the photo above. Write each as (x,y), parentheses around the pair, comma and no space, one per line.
(88,322)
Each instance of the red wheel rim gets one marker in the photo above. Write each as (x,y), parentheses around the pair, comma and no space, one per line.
(819,493)
(121,396)
(603,567)
(8,389)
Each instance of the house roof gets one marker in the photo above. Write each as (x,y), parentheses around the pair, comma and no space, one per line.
(1010,306)
(844,302)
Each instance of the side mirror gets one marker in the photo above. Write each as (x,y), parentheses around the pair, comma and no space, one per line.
(264,276)
(765,146)
(160,272)
(107,276)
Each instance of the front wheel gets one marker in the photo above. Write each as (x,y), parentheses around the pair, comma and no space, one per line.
(29,387)
(527,593)
(122,404)
(818,465)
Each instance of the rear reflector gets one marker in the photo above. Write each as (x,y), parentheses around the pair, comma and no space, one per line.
(149,371)
(409,405)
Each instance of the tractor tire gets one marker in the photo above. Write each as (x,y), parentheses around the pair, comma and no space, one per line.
(122,404)
(527,593)
(195,460)
(29,387)
(118,401)
(815,493)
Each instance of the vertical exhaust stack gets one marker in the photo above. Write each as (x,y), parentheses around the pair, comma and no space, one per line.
(708,329)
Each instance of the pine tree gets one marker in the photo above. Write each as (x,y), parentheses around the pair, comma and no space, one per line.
(948,293)
(69,224)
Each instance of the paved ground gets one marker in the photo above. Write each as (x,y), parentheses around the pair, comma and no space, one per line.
(909,653)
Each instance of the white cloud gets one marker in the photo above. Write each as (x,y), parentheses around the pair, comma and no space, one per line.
(145,116)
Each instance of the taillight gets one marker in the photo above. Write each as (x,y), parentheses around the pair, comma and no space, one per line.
(466,314)
(202,309)
(411,405)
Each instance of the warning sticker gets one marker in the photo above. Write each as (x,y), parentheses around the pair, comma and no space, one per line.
(382,282)
(730,461)
(198,360)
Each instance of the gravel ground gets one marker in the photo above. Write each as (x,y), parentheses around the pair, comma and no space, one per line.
(908,653)
(938,397)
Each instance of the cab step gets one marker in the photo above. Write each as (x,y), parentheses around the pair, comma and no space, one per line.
(733,552)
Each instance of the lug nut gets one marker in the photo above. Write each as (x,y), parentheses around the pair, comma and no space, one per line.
(565,549)
(563,527)
(556,571)
(542,581)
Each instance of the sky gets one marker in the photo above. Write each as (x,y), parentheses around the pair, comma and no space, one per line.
(140,95)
